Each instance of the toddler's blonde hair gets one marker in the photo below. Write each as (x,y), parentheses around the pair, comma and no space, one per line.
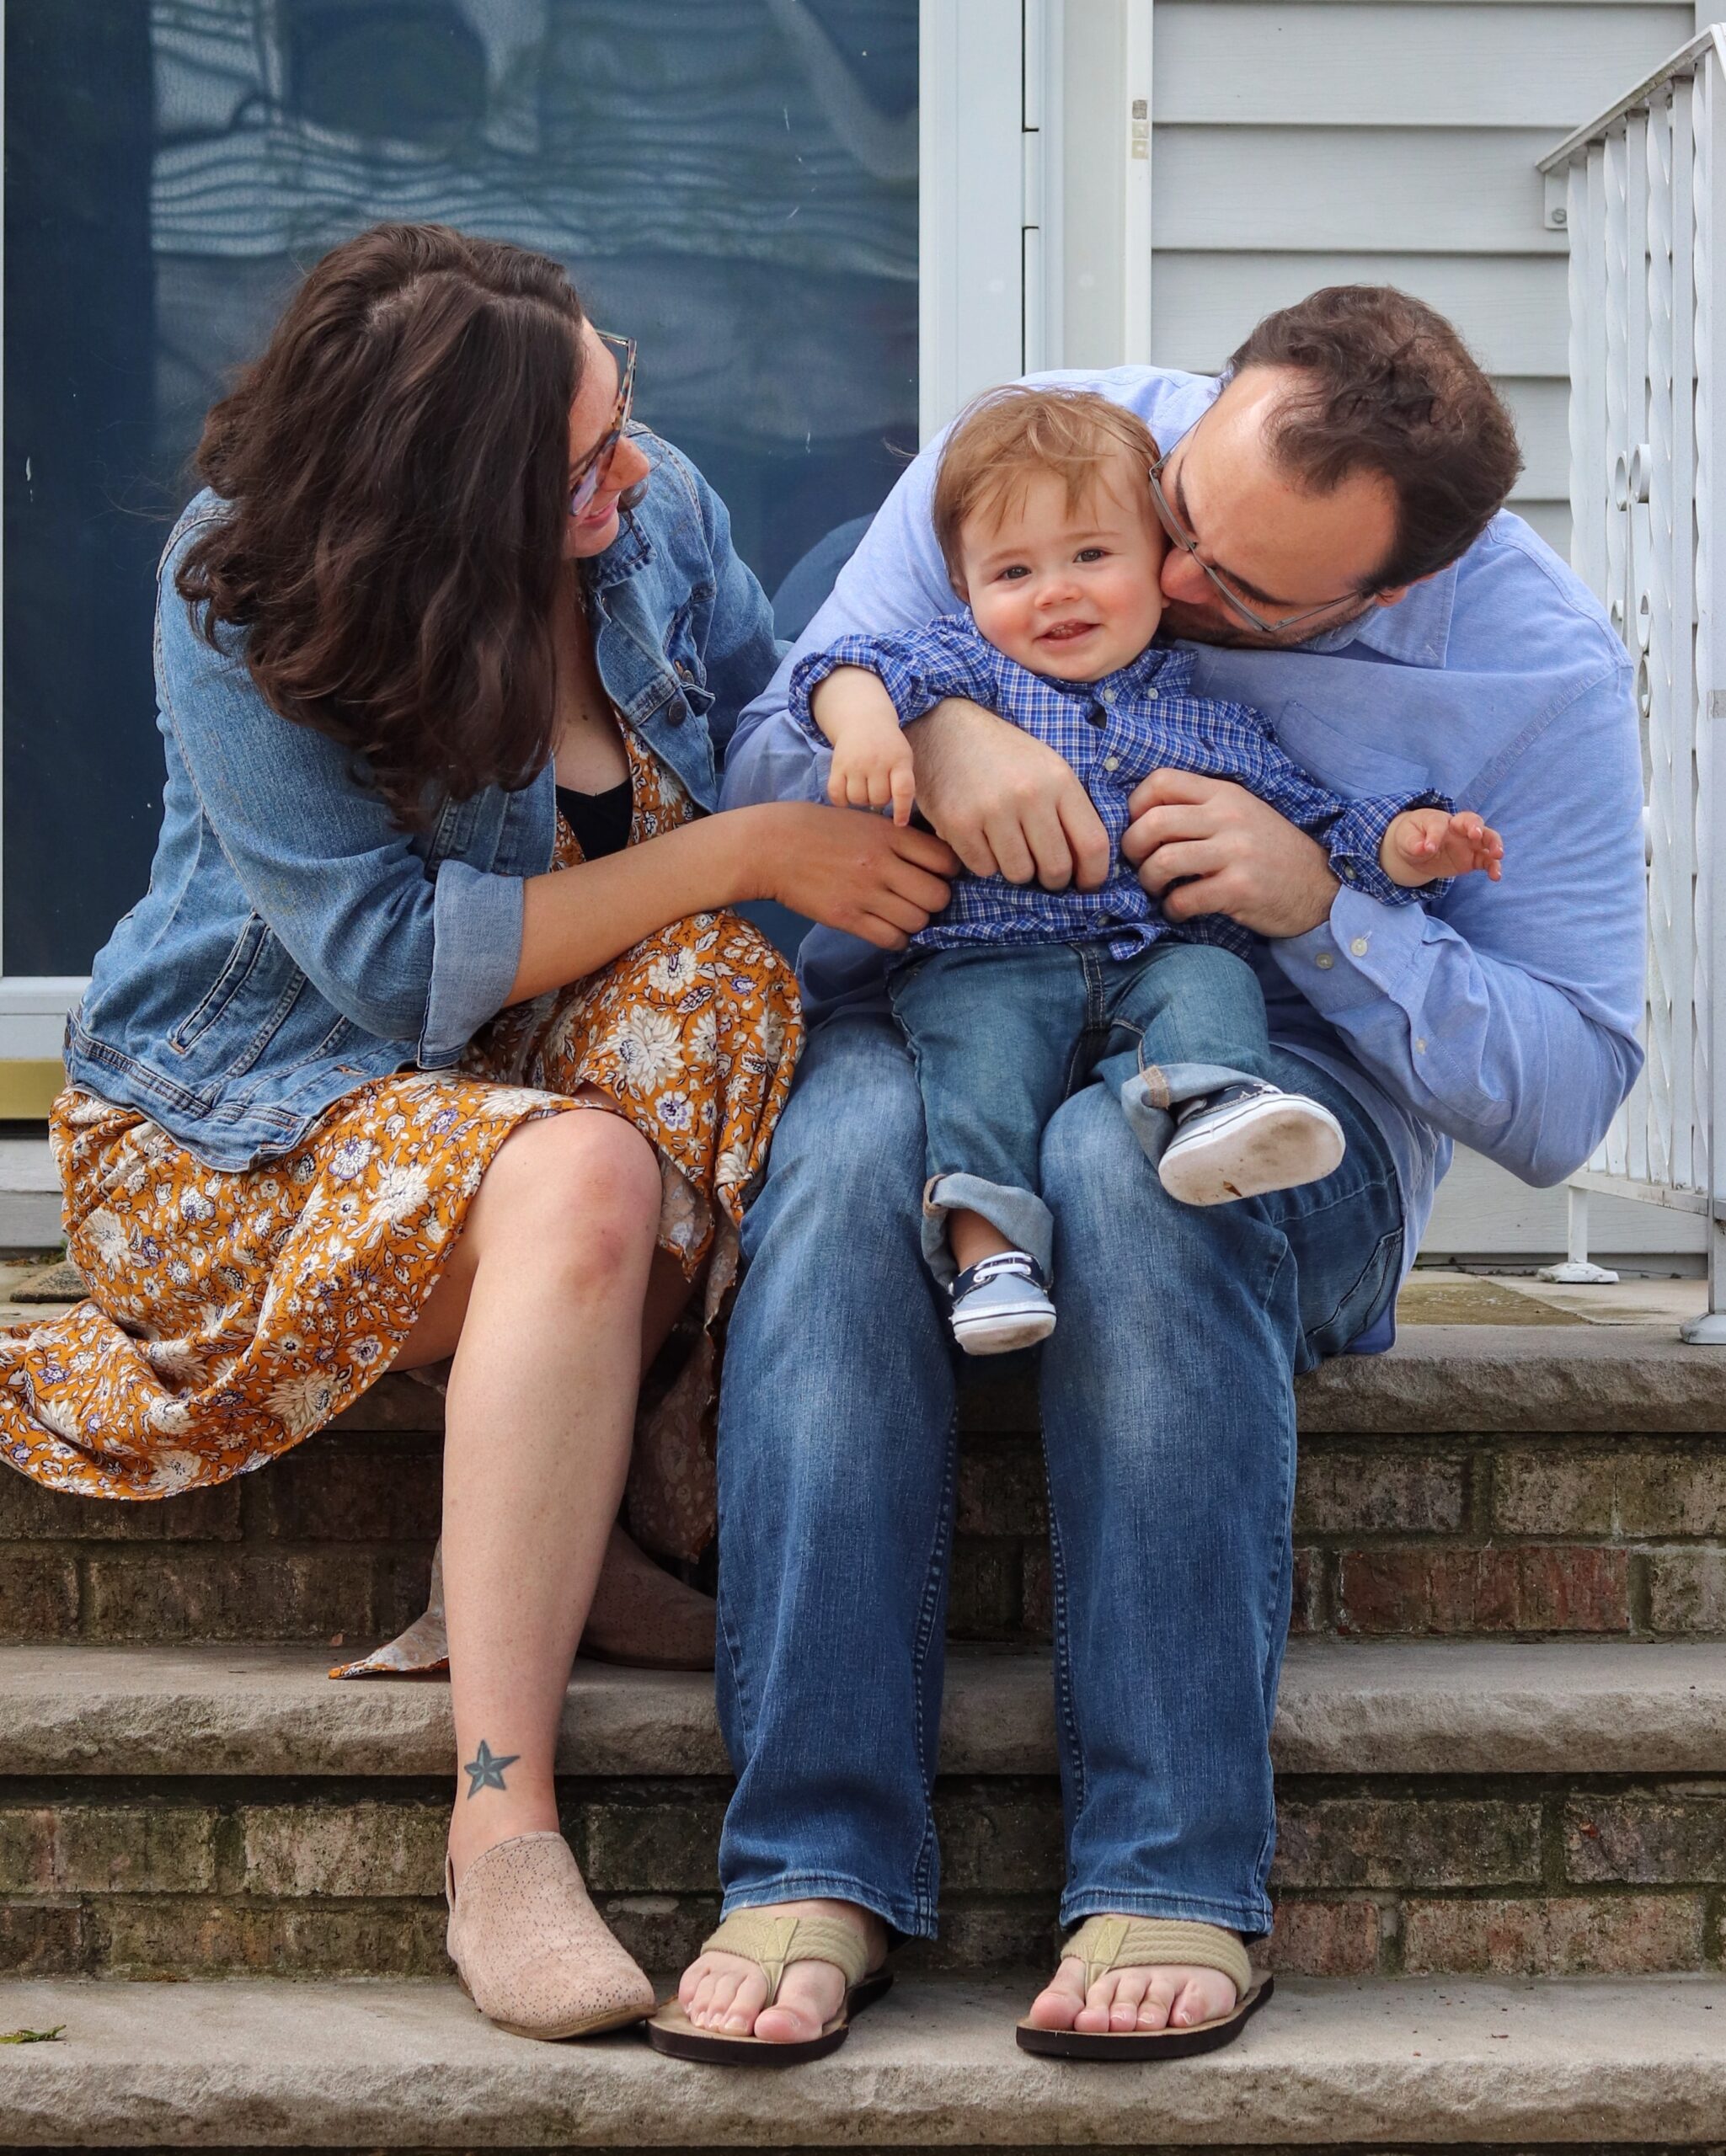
(1007,437)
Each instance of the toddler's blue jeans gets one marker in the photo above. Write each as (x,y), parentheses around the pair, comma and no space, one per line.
(1001,1035)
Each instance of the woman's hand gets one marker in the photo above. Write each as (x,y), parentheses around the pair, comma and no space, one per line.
(859,873)
(1008,803)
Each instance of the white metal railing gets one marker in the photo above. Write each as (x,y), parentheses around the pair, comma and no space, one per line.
(1644,197)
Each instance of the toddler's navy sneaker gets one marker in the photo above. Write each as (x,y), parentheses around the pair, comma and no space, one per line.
(1246,1139)
(1002,1303)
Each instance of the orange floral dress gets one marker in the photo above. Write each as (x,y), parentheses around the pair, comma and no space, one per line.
(232,1313)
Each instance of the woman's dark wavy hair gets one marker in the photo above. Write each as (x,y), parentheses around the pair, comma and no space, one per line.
(397,462)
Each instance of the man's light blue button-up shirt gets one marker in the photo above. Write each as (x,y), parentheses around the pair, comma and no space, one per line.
(1505,1015)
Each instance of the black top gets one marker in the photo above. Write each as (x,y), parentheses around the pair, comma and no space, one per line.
(599,821)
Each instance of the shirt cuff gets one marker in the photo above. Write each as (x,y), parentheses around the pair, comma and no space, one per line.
(806,677)
(476,951)
(1358,956)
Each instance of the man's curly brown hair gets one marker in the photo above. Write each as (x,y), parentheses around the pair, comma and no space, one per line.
(395,467)
(1387,385)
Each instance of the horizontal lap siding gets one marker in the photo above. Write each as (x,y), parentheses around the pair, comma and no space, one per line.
(1385,140)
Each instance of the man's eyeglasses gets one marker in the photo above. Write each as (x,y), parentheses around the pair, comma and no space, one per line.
(593,466)
(1179,535)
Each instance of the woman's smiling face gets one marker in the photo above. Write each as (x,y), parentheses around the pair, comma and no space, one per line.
(591,417)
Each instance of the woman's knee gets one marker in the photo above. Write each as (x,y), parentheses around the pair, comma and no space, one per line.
(579,1189)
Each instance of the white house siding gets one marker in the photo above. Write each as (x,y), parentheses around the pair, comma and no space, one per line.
(1323,141)
(1299,144)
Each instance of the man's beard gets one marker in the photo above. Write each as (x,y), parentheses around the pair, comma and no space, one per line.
(1198,625)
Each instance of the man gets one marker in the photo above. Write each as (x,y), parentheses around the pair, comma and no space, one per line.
(1340,559)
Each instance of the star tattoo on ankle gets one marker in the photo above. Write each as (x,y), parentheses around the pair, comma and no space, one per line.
(487,1768)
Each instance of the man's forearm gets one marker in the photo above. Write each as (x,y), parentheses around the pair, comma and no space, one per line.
(1487,1052)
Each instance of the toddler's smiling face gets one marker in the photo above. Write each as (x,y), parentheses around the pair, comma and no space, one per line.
(1067,587)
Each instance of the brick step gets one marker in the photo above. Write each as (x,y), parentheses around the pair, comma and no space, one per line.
(1444,1806)
(1519,1480)
(1628,2066)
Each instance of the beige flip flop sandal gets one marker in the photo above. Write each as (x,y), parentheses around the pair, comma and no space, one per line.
(773,1943)
(1106,1943)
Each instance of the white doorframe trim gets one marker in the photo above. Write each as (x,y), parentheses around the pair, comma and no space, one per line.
(1136,229)
(972,216)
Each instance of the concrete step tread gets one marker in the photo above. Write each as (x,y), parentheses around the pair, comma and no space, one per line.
(413,2065)
(1408,1707)
(1438,1379)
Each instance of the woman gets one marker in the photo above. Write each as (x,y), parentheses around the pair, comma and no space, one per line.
(446,656)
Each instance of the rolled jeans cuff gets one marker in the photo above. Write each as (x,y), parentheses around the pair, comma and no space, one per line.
(1019,1215)
(1148,1100)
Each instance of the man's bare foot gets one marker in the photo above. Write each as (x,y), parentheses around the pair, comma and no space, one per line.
(727,1994)
(1124,1999)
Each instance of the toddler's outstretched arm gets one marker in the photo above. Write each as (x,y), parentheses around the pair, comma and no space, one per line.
(1424,845)
(873,766)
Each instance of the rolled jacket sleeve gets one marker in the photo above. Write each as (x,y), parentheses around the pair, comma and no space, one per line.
(476,950)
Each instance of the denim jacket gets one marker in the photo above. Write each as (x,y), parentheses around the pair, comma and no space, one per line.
(294,942)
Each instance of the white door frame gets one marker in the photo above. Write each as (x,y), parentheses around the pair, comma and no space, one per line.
(989,103)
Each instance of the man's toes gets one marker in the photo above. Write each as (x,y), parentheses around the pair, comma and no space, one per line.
(700,1995)
(1057,2006)
(1129,1988)
(810,1997)
(1206,1995)
(1094,2016)
(743,2007)
(1159,1997)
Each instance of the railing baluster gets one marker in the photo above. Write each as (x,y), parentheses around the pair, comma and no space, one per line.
(1645,196)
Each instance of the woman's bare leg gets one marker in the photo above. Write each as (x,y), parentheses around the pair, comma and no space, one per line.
(544,1303)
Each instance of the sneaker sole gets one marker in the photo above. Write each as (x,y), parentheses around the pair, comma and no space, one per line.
(1002,1331)
(1264,1146)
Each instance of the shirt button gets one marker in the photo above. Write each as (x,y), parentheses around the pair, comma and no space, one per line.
(1111,763)
(1421,1044)
(1324,962)
(1359,947)
(1150,690)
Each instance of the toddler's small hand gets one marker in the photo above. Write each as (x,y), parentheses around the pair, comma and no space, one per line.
(873,769)
(1422,844)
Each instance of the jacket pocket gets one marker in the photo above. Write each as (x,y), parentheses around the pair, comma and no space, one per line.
(249,948)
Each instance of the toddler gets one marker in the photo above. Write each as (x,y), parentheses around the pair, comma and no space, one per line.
(1015,995)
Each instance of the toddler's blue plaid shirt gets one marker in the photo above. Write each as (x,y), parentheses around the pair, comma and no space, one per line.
(1114,732)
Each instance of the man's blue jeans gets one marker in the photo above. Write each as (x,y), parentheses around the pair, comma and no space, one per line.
(1000,1035)
(1168,1423)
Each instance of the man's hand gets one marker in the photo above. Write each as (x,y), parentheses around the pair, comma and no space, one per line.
(1006,805)
(1226,852)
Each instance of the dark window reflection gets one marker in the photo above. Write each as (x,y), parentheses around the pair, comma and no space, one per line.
(732,182)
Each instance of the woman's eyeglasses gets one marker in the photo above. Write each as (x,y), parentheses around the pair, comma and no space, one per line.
(1237,606)
(593,466)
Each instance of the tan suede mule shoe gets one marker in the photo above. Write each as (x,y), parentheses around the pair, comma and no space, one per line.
(532,1952)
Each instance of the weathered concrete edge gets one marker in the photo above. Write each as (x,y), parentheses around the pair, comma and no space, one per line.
(1619,1380)
(1633,1379)
(1430,1707)
(285,2065)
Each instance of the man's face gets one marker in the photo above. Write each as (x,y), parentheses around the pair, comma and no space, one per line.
(1068,590)
(1281,550)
